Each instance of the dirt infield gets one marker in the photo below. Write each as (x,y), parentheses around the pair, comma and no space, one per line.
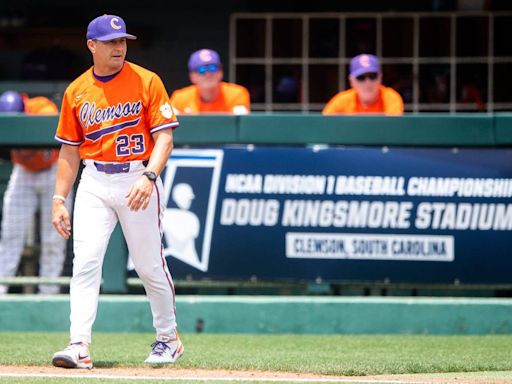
(165,373)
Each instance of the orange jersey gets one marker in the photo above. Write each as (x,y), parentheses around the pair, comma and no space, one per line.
(114,121)
(35,160)
(389,102)
(233,98)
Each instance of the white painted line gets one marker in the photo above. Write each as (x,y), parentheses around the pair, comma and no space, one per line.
(216,379)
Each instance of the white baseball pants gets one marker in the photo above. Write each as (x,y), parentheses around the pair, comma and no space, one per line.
(26,191)
(99,204)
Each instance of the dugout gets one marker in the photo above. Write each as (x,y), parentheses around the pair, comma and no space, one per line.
(474,146)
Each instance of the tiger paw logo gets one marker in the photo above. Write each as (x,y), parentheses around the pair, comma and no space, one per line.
(166,110)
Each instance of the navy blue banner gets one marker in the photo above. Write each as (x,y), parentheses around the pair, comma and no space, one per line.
(340,214)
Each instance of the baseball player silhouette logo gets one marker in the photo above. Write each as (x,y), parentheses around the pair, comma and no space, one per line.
(191,182)
(181,238)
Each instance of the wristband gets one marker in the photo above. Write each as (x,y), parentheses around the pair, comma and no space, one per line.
(59,197)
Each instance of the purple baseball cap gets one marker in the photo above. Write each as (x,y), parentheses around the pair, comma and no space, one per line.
(108,27)
(203,57)
(11,101)
(364,63)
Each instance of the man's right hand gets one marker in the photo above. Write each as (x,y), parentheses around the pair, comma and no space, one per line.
(60,218)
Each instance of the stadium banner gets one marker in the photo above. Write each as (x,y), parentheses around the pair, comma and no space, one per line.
(360,214)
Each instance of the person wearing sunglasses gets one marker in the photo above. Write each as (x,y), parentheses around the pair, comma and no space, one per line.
(208,93)
(367,94)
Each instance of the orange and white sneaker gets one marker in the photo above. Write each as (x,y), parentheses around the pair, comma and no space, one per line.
(76,355)
(165,350)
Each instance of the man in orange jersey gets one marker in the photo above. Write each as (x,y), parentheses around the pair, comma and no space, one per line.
(117,120)
(367,94)
(209,94)
(30,188)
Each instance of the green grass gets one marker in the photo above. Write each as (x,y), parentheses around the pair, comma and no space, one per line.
(330,354)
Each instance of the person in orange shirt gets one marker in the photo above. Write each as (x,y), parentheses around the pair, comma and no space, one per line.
(115,119)
(208,93)
(367,94)
(30,188)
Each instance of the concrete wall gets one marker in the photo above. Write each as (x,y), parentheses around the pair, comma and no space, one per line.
(275,315)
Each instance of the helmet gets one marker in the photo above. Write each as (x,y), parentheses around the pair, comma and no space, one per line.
(182,190)
(182,194)
(11,101)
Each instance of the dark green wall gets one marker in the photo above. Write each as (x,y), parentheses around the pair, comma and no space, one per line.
(301,129)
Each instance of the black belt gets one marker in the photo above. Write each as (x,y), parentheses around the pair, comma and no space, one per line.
(112,168)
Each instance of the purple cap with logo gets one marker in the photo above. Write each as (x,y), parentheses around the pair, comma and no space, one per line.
(364,63)
(11,101)
(108,27)
(203,57)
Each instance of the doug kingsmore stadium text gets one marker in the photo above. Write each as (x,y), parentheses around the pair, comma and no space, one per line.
(414,204)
